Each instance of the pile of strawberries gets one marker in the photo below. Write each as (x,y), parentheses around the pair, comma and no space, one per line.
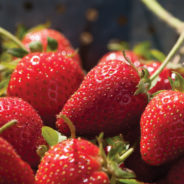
(139,123)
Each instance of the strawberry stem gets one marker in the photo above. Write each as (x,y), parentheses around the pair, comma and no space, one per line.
(69,123)
(113,179)
(12,37)
(7,125)
(163,14)
(128,60)
(41,150)
(169,56)
(126,154)
(101,148)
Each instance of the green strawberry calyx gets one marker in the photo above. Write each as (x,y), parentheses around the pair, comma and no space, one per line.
(120,150)
(178,83)
(112,161)
(147,82)
(35,46)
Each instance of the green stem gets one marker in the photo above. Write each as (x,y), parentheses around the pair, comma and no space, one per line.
(41,150)
(126,154)
(169,56)
(113,179)
(12,37)
(69,123)
(163,14)
(101,148)
(7,125)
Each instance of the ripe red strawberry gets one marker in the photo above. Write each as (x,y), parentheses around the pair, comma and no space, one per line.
(46,81)
(69,52)
(42,35)
(105,101)
(72,161)
(26,134)
(163,81)
(162,128)
(176,173)
(118,55)
(12,169)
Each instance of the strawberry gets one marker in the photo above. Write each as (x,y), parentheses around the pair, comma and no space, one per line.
(46,81)
(26,134)
(163,81)
(42,35)
(176,173)
(105,101)
(162,128)
(77,160)
(71,53)
(72,161)
(12,169)
(118,55)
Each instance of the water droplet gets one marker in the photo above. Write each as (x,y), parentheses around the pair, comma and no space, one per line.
(35,60)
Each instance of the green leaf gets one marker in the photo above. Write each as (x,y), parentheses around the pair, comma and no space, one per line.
(17,52)
(178,82)
(36,46)
(5,65)
(61,137)
(156,93)
(129,181)
(121,173)
(117,46)
(21,31)
(52,44)
(5,57)
(144,83)
(118,148)
(40,27)
(3,86)
(51,136)
(142,49)
(160,56)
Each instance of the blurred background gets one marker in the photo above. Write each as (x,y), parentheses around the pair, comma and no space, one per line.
(91,24)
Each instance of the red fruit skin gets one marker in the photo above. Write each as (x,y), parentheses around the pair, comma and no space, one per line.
(12,169)
(176,173)
(42,35)
(163,81)
(72,161)
(105,101)
(26,134)
(70,52)
(118,55)
(162,128)
(46,81)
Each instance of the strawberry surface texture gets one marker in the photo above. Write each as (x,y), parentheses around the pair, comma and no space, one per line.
(25,136)
(42,36)
(72,161)
(12,169)
(118,55)
(162,128)
(46,81)
(105,101)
